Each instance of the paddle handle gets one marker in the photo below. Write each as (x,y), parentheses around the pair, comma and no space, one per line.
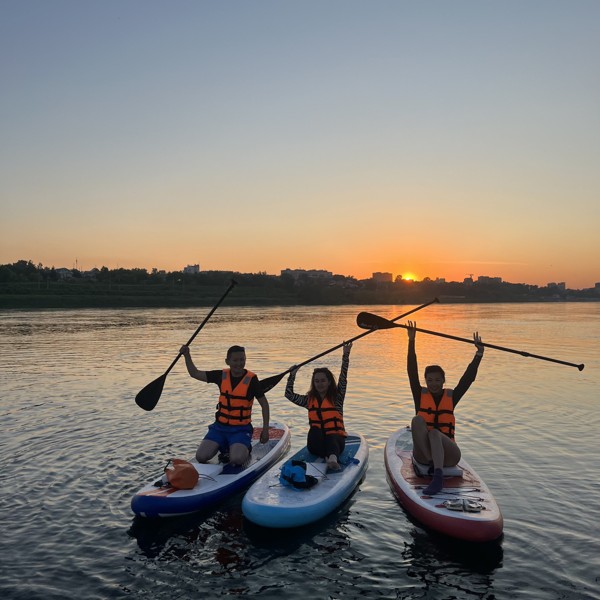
(208,316)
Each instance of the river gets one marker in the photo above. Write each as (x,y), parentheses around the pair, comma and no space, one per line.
(75,447)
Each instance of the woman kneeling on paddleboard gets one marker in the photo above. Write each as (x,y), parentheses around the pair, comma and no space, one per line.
(325,403)
(433,426)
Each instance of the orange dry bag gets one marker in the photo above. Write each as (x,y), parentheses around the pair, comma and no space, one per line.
(182,475)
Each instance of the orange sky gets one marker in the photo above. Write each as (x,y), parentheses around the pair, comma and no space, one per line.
(395,139)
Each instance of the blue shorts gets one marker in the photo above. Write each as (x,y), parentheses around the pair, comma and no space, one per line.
(227,435)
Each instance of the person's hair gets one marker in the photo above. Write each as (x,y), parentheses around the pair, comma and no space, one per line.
(435,369)
(235,349)
(331,390)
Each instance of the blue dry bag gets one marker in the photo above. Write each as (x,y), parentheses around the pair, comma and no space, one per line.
(293,474)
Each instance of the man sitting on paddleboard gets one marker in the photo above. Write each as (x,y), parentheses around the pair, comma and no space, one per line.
(433,426)
(325,403)
(231,433)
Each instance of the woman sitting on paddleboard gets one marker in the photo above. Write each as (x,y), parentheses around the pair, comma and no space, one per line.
(433,426)
(325,403)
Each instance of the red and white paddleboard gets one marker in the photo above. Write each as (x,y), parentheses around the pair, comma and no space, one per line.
(465,508)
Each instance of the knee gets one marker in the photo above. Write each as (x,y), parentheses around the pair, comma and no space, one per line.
(204,454)
(418,423)
(452,454)
(238,455)
(434,434)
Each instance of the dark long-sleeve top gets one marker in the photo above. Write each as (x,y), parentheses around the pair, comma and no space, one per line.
(302,399)
(415,385)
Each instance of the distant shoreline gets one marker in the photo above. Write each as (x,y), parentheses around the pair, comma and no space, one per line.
(32,288)
(71,301)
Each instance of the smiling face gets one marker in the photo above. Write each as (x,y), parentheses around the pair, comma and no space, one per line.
(236,362)
(435,382)
(321,383)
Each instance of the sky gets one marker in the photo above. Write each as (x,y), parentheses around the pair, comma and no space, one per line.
(426,139)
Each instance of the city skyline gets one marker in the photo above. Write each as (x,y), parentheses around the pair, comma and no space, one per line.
(420,139)
(381,276)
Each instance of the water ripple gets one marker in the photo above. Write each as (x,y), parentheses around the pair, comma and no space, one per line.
(75,447)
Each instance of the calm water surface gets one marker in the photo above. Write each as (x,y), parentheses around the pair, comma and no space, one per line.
(75,447)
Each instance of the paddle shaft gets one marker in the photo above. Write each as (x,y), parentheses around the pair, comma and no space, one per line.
(208,316)
(468,341)
(361,335)
(267,383)
(148,397)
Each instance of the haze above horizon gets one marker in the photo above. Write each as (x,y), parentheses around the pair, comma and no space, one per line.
(433,139)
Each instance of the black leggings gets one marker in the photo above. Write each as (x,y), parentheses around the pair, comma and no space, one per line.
(323,445)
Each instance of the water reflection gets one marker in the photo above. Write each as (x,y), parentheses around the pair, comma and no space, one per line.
(428,546)
(178,537)
(153,535)
(439,562)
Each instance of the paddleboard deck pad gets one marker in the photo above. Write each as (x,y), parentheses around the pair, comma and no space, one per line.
(271,504)
(217,480)
(465,508)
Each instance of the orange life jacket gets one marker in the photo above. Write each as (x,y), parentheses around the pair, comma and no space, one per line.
(324,415)
(438,416)
(234,408)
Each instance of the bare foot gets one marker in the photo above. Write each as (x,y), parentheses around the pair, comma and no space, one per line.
(332,463)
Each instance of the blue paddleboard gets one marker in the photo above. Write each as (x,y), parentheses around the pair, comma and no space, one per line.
(217,481)
(271,504)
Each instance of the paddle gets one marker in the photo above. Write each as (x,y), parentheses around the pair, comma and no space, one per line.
(373,322)
(148,397)
(270,382)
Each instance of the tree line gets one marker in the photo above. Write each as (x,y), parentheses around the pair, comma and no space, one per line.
(25,284)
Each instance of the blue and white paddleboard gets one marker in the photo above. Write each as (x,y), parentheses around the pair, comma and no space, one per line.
(217,481)
(272,504)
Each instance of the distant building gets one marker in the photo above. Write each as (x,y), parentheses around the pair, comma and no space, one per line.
(597,288)
(486,279)
(382,277)
(192,269)
(440,280)
(562,286)
(64,273)
(310,274)
(92,274)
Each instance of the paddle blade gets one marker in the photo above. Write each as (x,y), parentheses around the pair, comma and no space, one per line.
(367,320)
(148,397)
(270,382)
